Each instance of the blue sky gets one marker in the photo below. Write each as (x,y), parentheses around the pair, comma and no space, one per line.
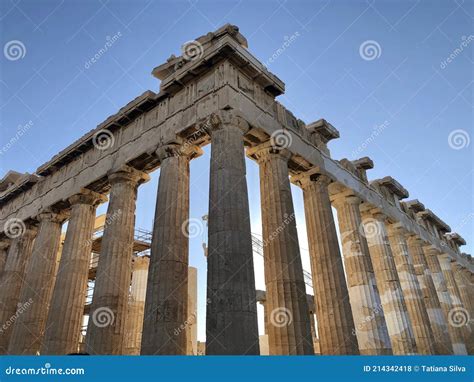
(418,85)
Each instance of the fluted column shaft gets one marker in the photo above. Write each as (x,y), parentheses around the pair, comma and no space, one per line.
(431,256)
(4,244)
(388,283)
(458,313)
(136,305)
(67,302)
(369,320)
(289,328)
(106,327)
(335,322)
(439,327)
(231,317)
(411,290)
(265,317)
(167,290)
(28,332)
(462,277)
(11,281)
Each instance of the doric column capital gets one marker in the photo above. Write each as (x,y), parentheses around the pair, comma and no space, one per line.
(431,250)
(346,199)
(140,263)
(86,196)
(168,151)
(413,238)
(224,119)
(267,151)
(261,296)
(50,214)
(309,178)
(375,213)
(447,257)
(178,149)
(128,174)
(396,229)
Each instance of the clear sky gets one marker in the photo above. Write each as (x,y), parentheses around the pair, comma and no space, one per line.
(399,68)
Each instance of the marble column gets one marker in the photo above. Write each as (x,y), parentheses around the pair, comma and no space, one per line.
(261,299)
(11,281)
(231,318)
(167,290)
(411,290)
(106,327)
(458,314)
(439,327)
(335,322)
(191,324)
(289,327)
(136,305)
(4,245)
(462,277)
(431,255)
(67,302)
(28,332)
(370,327)
(388,283)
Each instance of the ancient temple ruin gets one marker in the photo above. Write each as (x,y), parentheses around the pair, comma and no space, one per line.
(398,284)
